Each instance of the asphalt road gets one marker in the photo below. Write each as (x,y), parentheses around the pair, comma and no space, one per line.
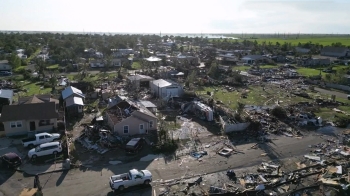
(336,93)
(94,181)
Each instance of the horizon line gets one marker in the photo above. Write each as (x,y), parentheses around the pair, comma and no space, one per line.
(199,33)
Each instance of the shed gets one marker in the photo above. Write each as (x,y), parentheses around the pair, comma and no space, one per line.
(166,88)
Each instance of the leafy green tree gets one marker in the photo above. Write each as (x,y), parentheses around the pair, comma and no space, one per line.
(15,61)
(40,66)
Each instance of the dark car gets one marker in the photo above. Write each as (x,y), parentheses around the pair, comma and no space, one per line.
(11,160)
(5,73)
(134,145)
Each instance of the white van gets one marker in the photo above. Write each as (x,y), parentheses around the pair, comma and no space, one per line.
(45,149)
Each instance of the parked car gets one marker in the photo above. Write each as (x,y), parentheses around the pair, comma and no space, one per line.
(134,145)
(132,178)
(11,160)
(348,97)
(5,73)
(45,149)
(40,139)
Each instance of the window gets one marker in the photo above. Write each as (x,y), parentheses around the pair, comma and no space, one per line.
(126,129)
(13,124)
(150,124)
(41,137)
(19,124)
(44,123)
(141,126)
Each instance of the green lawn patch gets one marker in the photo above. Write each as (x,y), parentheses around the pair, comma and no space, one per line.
(55,66)
(33,88)
(136,65)
(246,68)
(33,55)
(304,71)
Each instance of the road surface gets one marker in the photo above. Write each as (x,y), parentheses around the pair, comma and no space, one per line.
(94,181)
(329,92)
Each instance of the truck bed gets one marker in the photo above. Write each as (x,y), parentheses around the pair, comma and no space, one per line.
(121,177)
(28,139)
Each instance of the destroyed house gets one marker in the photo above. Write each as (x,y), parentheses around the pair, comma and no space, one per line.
(131,118)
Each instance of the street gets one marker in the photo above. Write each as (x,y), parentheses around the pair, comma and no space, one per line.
(330,92)
(94,181)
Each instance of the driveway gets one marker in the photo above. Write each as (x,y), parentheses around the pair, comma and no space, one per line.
(329,92)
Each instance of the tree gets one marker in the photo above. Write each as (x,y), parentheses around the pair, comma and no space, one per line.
(15,61)
(40,66)
(213,70)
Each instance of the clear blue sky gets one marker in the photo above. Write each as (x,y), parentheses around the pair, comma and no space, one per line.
(177,16)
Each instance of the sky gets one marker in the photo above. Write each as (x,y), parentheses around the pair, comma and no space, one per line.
(177,16)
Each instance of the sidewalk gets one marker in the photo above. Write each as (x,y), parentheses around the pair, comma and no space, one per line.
(41,169)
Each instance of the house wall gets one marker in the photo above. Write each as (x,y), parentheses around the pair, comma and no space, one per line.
(9,131)
(165,91)
(133,124)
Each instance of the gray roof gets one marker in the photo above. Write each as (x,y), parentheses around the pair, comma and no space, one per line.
(254,57)
(4,93)
(35,111)
(148,104)
(334,49)
(70,90)
(74,101)
(139,77)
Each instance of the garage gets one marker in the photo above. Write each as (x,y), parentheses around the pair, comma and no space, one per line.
(166,88)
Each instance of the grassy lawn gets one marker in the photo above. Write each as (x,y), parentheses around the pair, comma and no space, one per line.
(304,71)
(136,65)
(55,66)
(33,88)
(256,96)
(246,68)
(33,55)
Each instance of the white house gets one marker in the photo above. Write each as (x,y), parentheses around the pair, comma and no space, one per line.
(166,88)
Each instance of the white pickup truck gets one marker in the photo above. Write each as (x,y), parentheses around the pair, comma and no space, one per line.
(132,178)
(40,138)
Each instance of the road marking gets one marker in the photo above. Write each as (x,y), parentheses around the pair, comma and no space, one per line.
(154,192)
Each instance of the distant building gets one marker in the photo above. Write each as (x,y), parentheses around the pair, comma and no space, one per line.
(310,62)
(166,88)
(335,51)
(5,66)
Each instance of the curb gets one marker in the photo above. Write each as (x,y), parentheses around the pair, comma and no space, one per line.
(42,173)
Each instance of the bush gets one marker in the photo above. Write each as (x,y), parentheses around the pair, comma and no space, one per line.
(279,112)
(166,147)
(47,85)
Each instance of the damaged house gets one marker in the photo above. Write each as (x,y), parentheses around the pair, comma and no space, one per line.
(140,81)
(130,118)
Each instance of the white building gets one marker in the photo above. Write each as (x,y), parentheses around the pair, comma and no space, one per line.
(166,88)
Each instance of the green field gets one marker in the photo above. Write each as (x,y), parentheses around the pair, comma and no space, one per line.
(246,68)
(325,40)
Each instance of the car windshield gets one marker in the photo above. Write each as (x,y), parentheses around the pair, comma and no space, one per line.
(37,149)
(141,173)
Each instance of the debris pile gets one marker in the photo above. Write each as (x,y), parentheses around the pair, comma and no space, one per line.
(96,138)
